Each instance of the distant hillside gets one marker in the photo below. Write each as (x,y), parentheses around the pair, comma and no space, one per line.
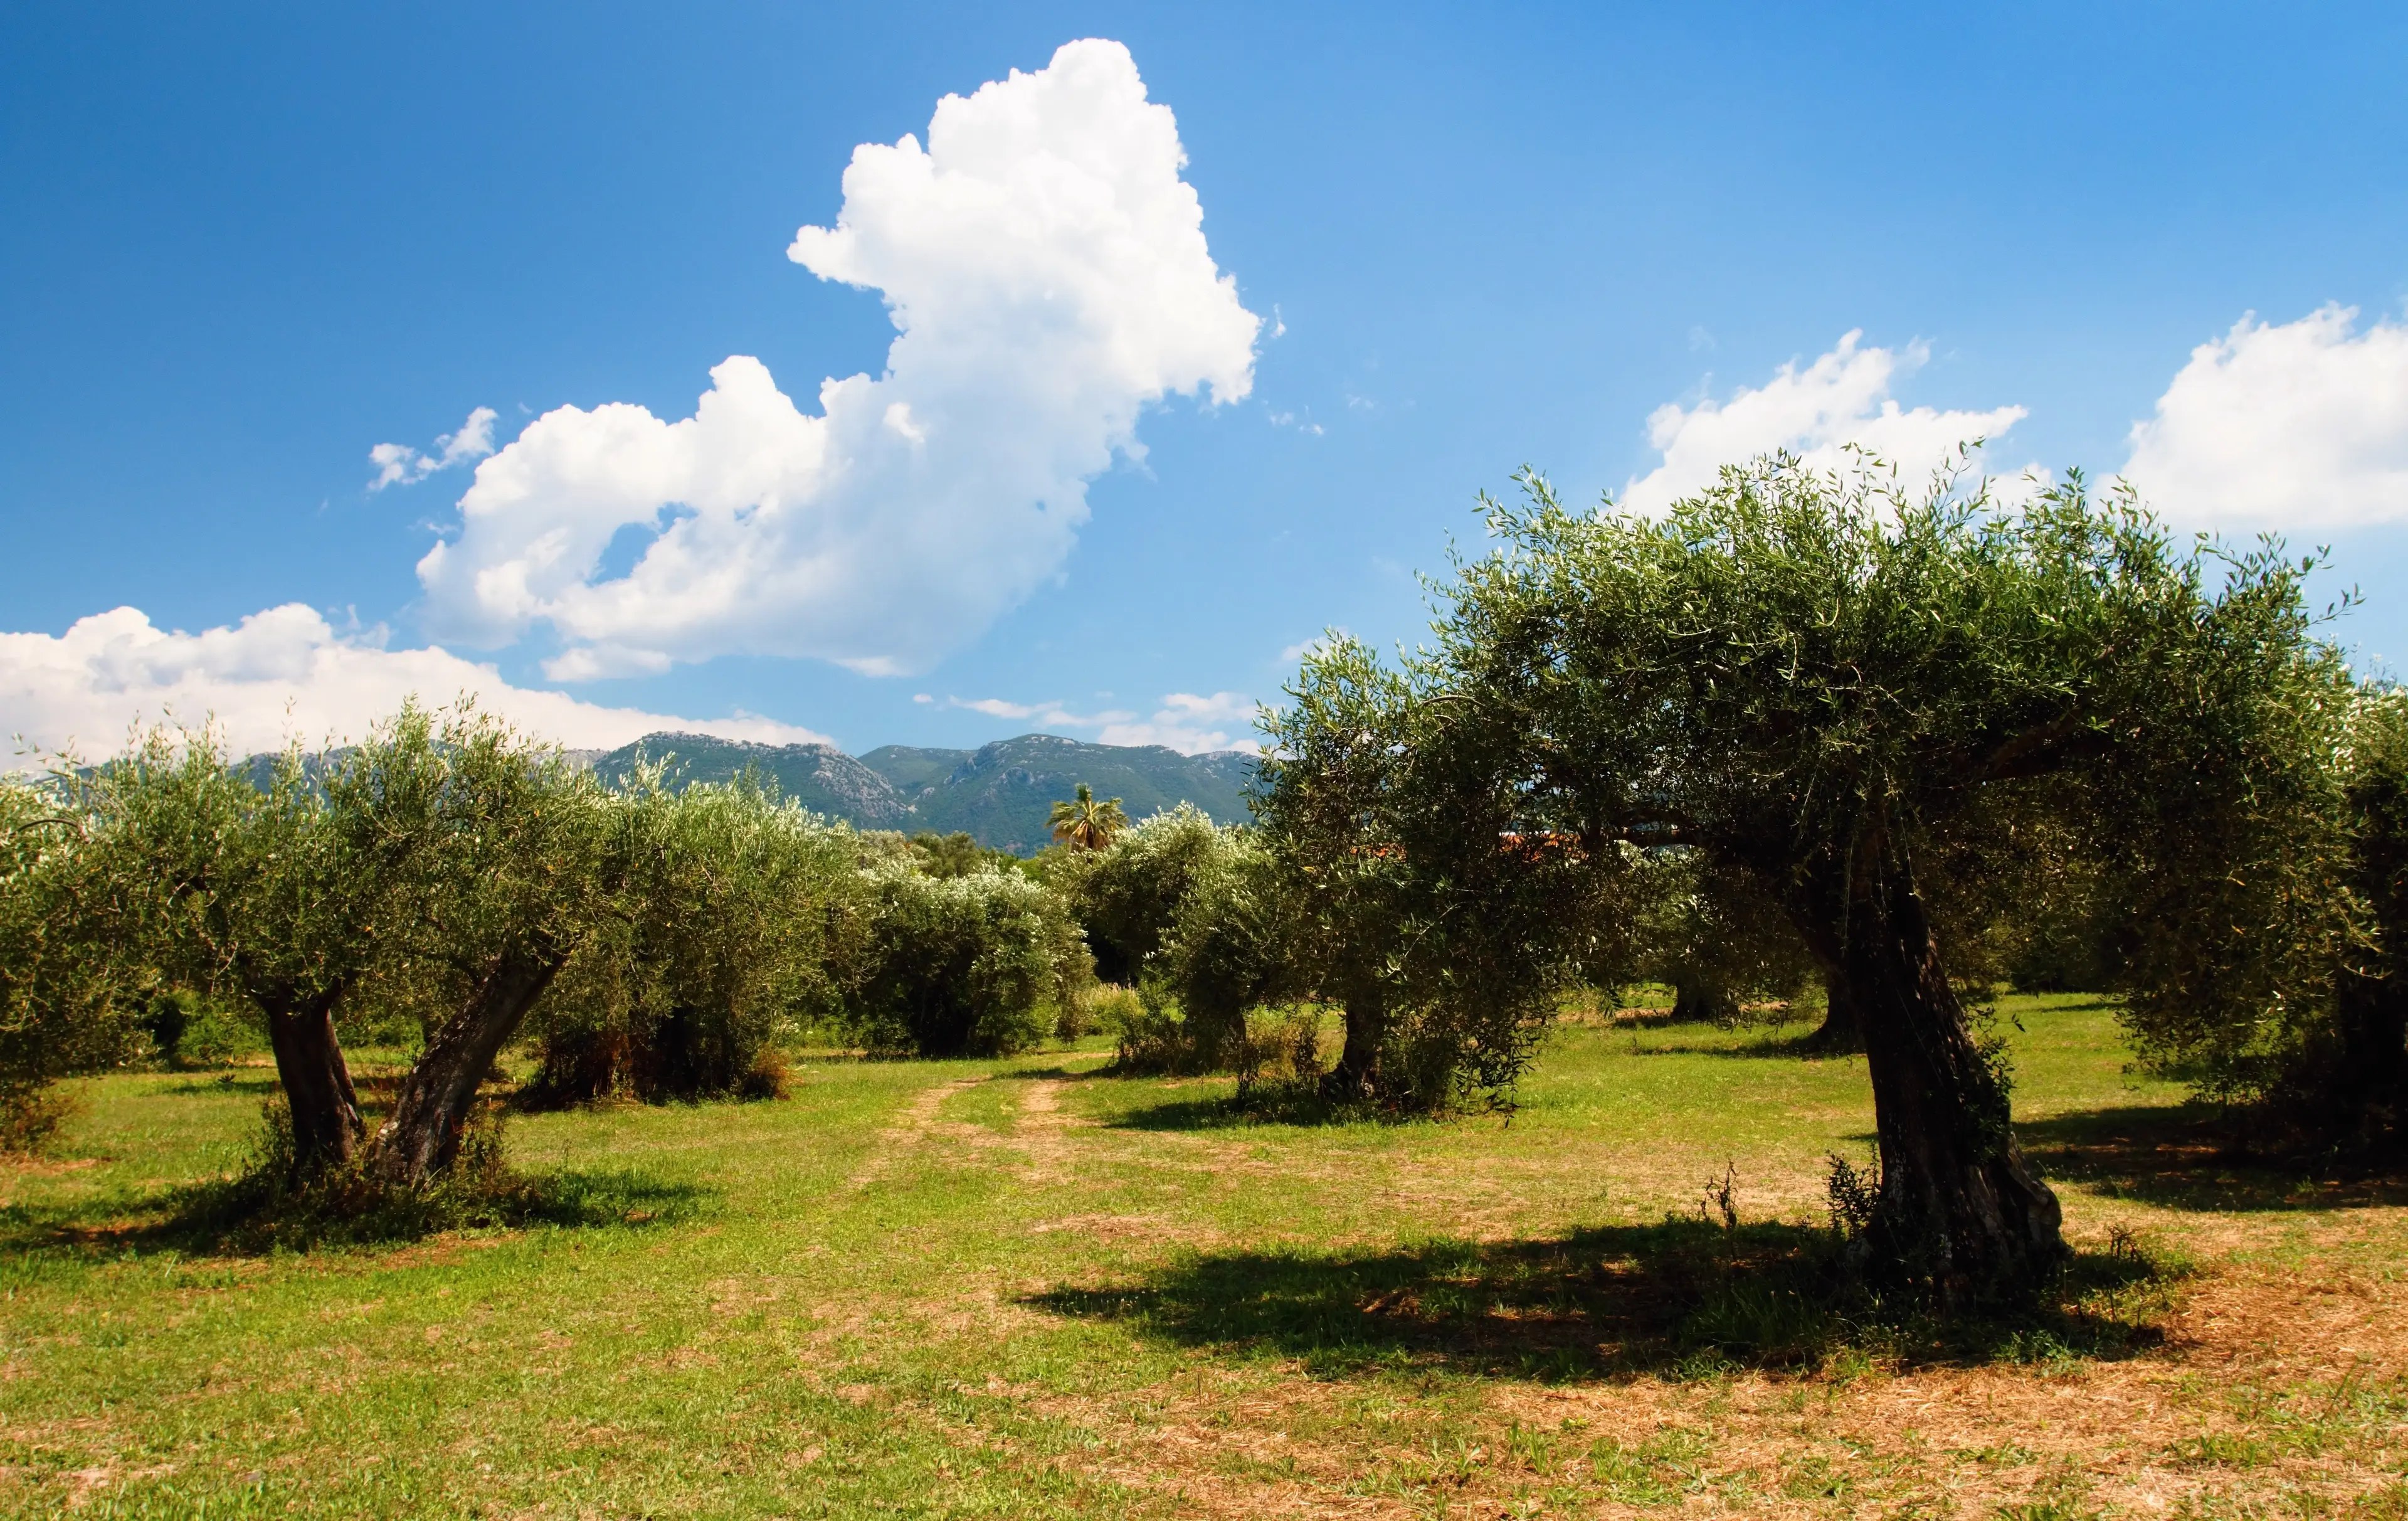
(822,778)
(999,794)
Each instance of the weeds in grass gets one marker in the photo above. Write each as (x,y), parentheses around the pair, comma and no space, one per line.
(264,1208)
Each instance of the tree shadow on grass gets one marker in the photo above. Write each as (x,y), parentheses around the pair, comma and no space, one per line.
(235,1217)
(2189,1156)
(1289,1104)
(1683,1300)
(219,1085)
(1765,1044)
(1058,1074)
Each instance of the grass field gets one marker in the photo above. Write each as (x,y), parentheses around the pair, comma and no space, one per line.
(1022,1288)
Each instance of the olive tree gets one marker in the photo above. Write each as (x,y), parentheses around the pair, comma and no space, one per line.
(520,855)
(69,998)
(1418,898)
(960,966)
(444,863)
(734,909)
(1126,894)
(1830,687)
(277,896)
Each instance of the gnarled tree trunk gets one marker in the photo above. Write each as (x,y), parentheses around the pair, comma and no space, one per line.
(1357,1073)
(326,1125)
(422,1138)
(1959,1208)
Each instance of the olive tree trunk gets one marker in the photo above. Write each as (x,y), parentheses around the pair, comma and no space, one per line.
(422,1138)
(1357,1073)
(1959,1208)
(326,1125)
(1839,1030)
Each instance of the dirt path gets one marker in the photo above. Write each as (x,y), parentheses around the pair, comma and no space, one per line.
(911,1127)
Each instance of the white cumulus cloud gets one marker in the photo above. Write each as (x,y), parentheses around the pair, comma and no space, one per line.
(1046,270)
(2300,426)
(399,465)
(1190,724)
(282,673)
(1185,722)
(1841,398)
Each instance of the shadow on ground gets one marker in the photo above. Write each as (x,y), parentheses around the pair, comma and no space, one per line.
(1681,1299)
(214,1219)
(2188,1156)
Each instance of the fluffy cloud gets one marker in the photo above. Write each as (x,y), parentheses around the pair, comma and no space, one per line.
(399,465)
(2303,426)
(1046,270)
(1185,722)
(284,672)
(1191,723)
(1843,398)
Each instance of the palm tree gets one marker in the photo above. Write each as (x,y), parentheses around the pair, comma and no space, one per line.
(1087,825)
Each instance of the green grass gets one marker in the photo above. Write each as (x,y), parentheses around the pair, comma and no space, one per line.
(1022,1288)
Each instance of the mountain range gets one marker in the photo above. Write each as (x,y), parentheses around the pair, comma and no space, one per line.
(1001,794)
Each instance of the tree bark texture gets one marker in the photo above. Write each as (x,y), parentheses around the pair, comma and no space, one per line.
(326,1125)
(1356,1076)
(422,1138)
(1959,1208)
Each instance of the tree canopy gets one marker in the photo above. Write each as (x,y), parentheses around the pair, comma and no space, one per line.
(1822,688)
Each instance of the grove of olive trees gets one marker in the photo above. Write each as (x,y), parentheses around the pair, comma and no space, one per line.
(1801,732)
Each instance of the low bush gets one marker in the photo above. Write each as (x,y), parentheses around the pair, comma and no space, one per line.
(962,966)
(734,921)
(188,1031)
(32,1115)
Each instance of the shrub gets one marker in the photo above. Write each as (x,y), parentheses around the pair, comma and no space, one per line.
(188,1031)
(1126,895)
(33,1113)
(735,906)
(962,966)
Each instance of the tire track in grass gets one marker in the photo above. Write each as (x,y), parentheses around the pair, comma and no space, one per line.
(911,1127)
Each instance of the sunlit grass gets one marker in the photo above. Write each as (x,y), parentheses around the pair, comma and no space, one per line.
(1024,1288)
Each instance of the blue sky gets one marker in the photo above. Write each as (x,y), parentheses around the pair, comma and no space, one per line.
(240,248)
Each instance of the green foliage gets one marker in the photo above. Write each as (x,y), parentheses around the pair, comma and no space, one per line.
(1126,895)
(1713,935)
(1411,893)
(69,998)
(1086,822)
(956,854)
(719,943)
(961,966)
(188,1031)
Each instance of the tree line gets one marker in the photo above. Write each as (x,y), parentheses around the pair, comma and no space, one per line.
(1802,729)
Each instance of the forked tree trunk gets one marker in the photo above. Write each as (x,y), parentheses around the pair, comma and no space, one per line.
(1356,1075)
(422,1138)
(325,1110)
(1959,1208)
(1839,1030)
